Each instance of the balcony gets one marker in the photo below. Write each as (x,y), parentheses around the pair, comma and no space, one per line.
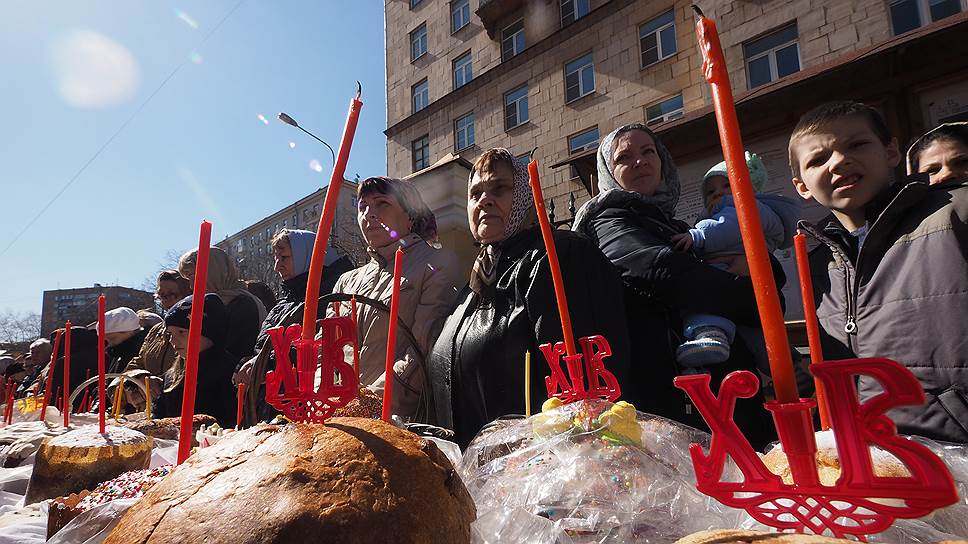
(492,11)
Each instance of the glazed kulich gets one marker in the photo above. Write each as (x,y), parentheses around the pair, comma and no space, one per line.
(83,458)
(352,480)
(828,465)
(167,428)
(730,536)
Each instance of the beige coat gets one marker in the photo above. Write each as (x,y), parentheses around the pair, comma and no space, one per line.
(428,293)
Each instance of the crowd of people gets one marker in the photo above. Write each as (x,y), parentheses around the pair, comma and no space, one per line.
(890,273)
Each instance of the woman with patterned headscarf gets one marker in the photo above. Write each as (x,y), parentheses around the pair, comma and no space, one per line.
(477,367)
(392,214)
(245,311)
(632,221)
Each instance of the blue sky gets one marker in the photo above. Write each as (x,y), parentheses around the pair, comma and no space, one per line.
(72,73)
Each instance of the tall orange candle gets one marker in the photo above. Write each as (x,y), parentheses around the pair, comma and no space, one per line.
(50,375)
(392,334)
(100,363)
(326,220)
(549,242)
(194,341)
(67,374)
(810,317)
(761,273)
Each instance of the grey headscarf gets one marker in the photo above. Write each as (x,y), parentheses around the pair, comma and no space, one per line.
(522,216)
(666,197)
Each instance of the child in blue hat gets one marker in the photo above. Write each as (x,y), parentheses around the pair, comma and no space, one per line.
(717,240)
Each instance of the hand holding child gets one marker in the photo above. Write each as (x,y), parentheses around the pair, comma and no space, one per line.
(682,242)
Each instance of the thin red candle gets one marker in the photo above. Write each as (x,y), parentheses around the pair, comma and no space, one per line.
(100,363)
(810,318)
(50,375)
(757,255)
(67,374)
(392,334)
(326,220)
(85,405)
(549,242)
(356,342)
(238,410)
(8,412)
(194,341)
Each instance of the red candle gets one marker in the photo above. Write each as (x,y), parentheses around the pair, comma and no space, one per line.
(194,341)
(85,405)
(67,374)
(326,221)
(356,342)
(100,363)
(8,412)
(392,334)
(810,317)
(50,375)
(549,242)
(761,273)
(240,401)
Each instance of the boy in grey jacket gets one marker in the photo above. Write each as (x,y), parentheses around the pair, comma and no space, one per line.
(890,273)
(717,240)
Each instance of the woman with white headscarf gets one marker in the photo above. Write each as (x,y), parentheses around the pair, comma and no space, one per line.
(477,366)
(632,221)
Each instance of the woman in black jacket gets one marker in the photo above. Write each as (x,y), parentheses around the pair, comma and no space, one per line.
(632,221)
(477,364)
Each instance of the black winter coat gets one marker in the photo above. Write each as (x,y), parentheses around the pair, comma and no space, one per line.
(477,364)
(214,392)
(662,285)
(118,357)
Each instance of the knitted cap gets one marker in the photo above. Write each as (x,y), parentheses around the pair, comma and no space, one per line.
(758,174)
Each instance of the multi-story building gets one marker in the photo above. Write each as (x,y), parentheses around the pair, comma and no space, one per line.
(251,245)
(80,305)
(558,75)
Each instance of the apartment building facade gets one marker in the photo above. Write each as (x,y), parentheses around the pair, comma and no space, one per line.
(558,75)
(251,248)
(79,305)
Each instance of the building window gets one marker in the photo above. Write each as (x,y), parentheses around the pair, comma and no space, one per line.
(664,111)
(516,107)
(421,152)
(415,3)
(910,14)
(315,209)
(460,14)
(295,220)
(463,73)
(421,95)
(512,39)
(464,132)
(579,78)
(418,42)
(773,56)
(572,10)
(657,38)
(583,141)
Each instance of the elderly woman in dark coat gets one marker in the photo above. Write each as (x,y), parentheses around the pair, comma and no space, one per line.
(632,221)
(477,365)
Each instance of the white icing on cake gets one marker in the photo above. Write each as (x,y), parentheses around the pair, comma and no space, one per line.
(89,437)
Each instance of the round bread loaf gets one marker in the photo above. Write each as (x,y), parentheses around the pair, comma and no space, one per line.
(350,480)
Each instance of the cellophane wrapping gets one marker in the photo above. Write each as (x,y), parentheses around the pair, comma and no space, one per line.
(577,474)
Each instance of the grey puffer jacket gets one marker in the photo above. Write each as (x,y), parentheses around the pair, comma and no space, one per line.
(903,296)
